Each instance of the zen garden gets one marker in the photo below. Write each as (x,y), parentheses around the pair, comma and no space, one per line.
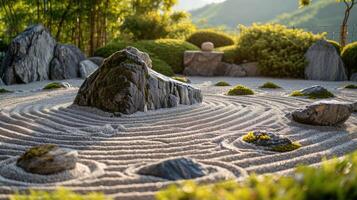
(178,100)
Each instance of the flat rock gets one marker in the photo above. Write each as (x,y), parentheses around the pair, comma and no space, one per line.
(200,63)
(28,57)
(324,113)
(47,160)
(175,169)
(354,77)
(125,84)
(97,60)
(65,64)
(324,63)
(86,68)
(231,70)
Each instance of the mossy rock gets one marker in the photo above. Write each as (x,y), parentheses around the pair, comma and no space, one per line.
(351,86)
(181,79)
(37,151)
(270,141)
(222,84)
(56,85)
(270,85)
(240,90)
(315,92)
(3,91)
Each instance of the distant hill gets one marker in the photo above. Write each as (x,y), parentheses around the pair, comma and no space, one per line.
(321,16)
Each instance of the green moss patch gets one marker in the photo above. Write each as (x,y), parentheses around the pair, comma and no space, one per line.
(251,137)
(321,95)
(240,90)
(351,86)
(285,148)
(181,79)
(3,91)
(53,86)
(270,85)
(37,151)
(222,84)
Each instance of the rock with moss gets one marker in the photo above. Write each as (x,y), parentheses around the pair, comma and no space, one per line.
(47,159)
(351,86)
(314,92)
(125,84)
(270,141)
(222,84)
(240,90)
(57,85)
(4,91)
(175,169)
(324,113)
(270,85)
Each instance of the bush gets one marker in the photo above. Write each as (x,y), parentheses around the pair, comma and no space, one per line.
(231,54)
(59,194)
(270,85)
(169,51)
(336,45)
(335,179)
(278,49)
(240,90)
(349,57)
(222,84)
(219,39)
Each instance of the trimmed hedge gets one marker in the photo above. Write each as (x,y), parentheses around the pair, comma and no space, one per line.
(169,51)
(336,45)
(335,179)
(278,49)
(349,57)
(219,39)
(231,54)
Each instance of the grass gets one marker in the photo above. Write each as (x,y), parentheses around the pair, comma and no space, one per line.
(181,79)
(222,84)
(3,91)
(37,151)
(270,85)
(240,90)
(351,86)
(321,95)
(59,194)
(52,86)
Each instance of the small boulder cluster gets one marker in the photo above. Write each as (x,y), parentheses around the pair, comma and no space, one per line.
(34,55)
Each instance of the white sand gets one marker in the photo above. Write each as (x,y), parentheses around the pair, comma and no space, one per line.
(209,132)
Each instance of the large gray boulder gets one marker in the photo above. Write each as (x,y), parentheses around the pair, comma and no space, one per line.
(202,63)
(175,169)
(354,77)
(86,68)
(324,113)
(324,63)
(28,57)
(125,84)
(48,159)
(65,64)
(1,82)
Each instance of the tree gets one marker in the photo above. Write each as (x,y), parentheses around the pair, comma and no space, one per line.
(349,4)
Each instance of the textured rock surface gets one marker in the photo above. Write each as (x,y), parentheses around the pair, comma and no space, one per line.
(142,55)
(274,139)
(198,63)
(354,106)
(97,60)
(175,169)
(65,64)
(124,84)
(28,56)
(232,70)
(324,113)
(86,68)
(324,63)
(251,69)
(314,91)
(1,82)
(46,160)
(354,77)
(207,46)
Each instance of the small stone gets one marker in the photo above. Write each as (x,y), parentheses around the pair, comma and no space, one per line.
(207,46)
(175,169)
(86,68)
(48,159)
(324,113)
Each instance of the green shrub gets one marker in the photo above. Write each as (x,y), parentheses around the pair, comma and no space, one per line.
(181,79)
(222,84)
(59,194)
(278,49)
(270,85)
(351,86)
(240,90)
(231,54)
(219,39)
(168,50)
(162,67)
(349,57)
(336,45)
(334,180)
(2,91)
